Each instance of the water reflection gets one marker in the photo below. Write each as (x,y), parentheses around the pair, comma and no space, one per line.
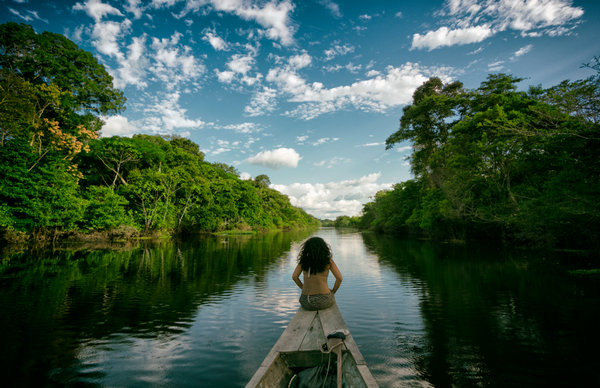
(493,319)
(205,312)
(72,315)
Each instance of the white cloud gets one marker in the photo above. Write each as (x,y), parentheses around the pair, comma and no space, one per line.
(262,102)
(330,200)
(174,63)
(329,163)
(245,176)
(96,9)
(239,66)
(132,68)
(332,7)
(496,66)
(166,114)
(225,77)
(280,157)
(337,50)
(214,40)
(133,6)
(300,61)
(444,36)
(243,127)
(106,35)
(522,51)
(351,67)
(118,126)
(29,16)
(472,21)
(274,15)
(324,140)
(377,144)
(365,17)
(374,94)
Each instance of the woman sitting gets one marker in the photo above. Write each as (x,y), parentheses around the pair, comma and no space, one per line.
(315,262)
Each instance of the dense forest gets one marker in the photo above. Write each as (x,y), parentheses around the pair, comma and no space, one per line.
(58,177)
(497,163)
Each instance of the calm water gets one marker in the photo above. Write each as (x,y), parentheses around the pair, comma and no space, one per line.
(206,312)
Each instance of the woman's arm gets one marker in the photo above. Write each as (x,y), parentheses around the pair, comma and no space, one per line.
(337,274)
(296,275)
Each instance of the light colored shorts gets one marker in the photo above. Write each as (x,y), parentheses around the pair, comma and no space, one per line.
(317,301)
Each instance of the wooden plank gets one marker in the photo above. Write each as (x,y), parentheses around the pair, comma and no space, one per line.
(290,340)
(367,376)
(314,337)
(332,320)
(292,337)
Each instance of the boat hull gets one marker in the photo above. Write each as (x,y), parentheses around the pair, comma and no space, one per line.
(299,347)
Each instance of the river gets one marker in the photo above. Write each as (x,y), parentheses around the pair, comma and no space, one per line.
(204,313)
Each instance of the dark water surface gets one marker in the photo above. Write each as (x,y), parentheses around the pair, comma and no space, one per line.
(204,313)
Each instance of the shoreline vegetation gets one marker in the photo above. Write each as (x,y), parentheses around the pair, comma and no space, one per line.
(62,182)
(517,168)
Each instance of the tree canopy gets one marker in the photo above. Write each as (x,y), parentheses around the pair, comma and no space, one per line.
(498,163)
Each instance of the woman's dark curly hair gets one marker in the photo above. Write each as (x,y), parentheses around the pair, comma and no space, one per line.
(314,255)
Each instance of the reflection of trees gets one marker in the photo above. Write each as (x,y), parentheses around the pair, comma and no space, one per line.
(494,321)
(48,306)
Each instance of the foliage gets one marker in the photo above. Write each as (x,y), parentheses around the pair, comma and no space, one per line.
(498,163)
(58,176)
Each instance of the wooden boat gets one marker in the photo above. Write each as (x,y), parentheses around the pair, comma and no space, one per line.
(301,347)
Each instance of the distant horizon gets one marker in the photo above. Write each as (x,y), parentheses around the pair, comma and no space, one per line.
(306,92)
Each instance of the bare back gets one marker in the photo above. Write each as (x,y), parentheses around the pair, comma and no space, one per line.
(316,283)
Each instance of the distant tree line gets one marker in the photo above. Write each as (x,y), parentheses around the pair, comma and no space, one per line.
(56,175)
(497,163)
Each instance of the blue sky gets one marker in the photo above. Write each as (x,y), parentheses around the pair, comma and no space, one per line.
(307,91)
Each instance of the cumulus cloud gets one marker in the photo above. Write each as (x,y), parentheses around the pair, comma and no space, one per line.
(337,50)
(239,67)
(118,126)
(379,93)
(134,7)
(96,9)
(166,115)
(471,21)
(132,66)
(333,199)
(174,63)
(280,157)
(274,16)
(444,36)
(214,40)
(106,37)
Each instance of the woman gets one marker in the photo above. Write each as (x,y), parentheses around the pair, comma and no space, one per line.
(315,262)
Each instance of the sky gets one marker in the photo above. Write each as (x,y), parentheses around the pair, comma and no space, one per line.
(307,91)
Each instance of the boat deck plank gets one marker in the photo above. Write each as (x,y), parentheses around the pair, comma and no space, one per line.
(315,336)
(332,320)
